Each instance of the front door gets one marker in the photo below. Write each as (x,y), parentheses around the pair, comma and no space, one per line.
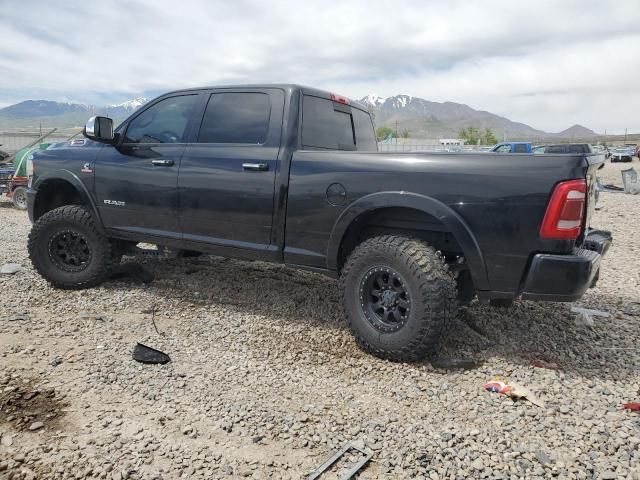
(227,175)
(136,180)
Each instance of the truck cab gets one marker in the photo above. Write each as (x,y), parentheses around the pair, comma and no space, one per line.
(512,147)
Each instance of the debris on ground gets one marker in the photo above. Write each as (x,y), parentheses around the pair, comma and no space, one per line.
(145,354)
(10,268)
(455,363)
(132,272)
(634,406)
(538,363)
(98,317)
(18,317)
(515,392)
(585,316)
(610,188)
(55,361)
(630,181)
(364,455)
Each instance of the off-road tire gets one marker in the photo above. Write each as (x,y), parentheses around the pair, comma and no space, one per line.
(431,287)
(73,218)
(19,198)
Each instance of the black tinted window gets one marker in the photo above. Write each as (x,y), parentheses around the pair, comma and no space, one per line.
(164,122)
(556,149)
(325,127)
(365,136)
(236,118)
(520,148)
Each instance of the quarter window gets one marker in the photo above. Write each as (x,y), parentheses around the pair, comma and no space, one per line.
(325,127)
(163,122)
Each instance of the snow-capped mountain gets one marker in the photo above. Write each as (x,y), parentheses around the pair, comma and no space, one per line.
(63,114)
(425,119)
(372,100)
(131,105)
(42,108)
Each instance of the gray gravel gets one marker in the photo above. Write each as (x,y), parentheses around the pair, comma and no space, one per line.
(265,379)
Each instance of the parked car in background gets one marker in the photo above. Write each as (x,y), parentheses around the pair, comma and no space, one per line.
(622,154)
(636,152)
(512,147)
(564,148)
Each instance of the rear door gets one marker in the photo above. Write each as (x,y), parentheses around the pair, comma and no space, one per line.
(136,180)
(227,175)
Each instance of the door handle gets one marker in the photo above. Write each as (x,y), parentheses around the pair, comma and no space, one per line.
(163,163)
(256,167)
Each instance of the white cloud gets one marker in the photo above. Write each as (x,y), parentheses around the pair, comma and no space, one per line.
(546,63)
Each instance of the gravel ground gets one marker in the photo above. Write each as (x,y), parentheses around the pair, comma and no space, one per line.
(266,381)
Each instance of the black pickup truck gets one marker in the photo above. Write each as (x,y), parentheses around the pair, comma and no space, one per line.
(289,174)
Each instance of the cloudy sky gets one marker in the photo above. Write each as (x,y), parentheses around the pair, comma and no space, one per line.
(547,63)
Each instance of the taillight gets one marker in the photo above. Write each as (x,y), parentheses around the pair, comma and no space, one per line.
(563,218)
(340,99)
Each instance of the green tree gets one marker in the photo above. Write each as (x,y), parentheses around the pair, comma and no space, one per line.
(489,137)
(470,135)
(383,132)
(474,136)
(405,134)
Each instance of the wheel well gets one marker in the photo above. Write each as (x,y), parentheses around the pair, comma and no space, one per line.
(399,220)
(53,194)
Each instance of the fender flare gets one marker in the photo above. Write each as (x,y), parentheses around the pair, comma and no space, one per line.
(452,220)
(80,187)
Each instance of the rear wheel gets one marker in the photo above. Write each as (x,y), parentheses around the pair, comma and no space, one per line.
(67,249)
(398,296)
(19,198)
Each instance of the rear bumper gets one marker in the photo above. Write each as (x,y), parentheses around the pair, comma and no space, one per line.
(565,278)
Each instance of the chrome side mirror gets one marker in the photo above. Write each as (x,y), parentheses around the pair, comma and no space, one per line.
(99,128)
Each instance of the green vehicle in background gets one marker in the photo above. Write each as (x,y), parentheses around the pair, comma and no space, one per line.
(13,176)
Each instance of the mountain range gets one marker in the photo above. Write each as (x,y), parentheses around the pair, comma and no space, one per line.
(426,119)
(420,118)
(62,114)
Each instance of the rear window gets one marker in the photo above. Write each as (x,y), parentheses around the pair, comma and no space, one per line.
(236,117)
(332,126)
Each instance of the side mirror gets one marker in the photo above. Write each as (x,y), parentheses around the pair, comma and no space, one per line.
(99,128)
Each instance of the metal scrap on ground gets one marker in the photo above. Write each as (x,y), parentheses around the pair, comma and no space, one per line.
(145,354)
(336,456)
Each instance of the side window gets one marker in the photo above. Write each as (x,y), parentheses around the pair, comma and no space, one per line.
(365,135)
(520,148)
(325,127)
(236,117)
(164,122)
(504,149)
(556,149)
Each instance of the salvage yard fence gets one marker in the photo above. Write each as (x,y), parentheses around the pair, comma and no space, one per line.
(13,140)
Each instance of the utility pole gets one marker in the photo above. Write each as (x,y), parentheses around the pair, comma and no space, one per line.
(625,136)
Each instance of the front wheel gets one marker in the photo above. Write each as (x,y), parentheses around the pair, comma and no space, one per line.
(19,198)
(398,296)
(67,249)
